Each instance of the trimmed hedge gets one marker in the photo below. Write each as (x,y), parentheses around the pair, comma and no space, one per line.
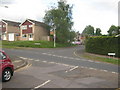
(103,45)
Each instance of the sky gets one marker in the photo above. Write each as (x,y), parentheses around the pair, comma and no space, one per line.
(98,13)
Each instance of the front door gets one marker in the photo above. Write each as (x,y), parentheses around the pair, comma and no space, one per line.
(11,37)
(30,36)
(4,37)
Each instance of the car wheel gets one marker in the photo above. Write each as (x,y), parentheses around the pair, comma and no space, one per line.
(6,75)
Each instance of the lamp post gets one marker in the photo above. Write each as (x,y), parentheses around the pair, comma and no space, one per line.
(54,34)
(54,27)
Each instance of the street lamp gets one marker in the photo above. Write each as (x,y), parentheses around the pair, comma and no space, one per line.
(54,36)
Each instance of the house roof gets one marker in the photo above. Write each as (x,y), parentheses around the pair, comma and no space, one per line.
(37,23)
(12,23)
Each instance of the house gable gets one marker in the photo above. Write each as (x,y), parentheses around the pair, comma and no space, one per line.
(27,27)
(3,26)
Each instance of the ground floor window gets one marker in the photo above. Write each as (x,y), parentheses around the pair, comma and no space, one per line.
(24,35)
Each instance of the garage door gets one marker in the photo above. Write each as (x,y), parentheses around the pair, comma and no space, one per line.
(11,36)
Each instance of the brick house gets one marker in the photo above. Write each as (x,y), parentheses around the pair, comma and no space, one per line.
(34,30)
(9,30)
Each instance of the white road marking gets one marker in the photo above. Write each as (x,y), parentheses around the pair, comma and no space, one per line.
(91,68)
(30,59)
(37,60)
(66,57)
(41,85)
(115,72)
(104,70)
(17,61)
(24,58)
(72,68)
(44,53)
(44,61)
(52,62)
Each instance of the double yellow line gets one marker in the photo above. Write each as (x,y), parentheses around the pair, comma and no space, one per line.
(26,66)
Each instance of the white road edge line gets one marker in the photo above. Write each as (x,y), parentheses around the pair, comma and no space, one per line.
(41,85)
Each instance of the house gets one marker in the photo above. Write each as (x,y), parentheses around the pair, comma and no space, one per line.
(9,30)
(34,30)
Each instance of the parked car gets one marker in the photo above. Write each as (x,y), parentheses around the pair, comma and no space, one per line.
(76,42)
(6,67)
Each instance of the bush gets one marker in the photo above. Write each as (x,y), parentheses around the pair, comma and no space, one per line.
(103,45)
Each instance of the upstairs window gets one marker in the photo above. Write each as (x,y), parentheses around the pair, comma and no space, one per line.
(24,27)
(30,26)
(3,25)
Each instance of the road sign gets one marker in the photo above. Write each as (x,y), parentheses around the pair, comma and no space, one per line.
(111,54)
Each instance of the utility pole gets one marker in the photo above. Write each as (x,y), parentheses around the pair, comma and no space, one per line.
(54,35)
(54,38)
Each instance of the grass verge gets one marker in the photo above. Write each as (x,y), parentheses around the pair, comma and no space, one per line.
(101,59)
(33,44)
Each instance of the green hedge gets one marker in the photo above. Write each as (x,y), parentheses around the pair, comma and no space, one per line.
(103,45)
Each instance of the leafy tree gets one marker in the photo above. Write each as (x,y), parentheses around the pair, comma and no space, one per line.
(118,31)
(113,30)
(72,35)
(89,30)
(98,32)
(61,17)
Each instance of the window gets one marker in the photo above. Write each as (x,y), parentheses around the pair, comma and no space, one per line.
(24,35)
(3,25)
(24,27)
(30,25)
(2,56)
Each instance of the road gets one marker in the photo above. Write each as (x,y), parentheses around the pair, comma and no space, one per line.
(63,55)
(60,68)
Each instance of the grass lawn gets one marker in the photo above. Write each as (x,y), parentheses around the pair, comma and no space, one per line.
(33,44)
(101,59)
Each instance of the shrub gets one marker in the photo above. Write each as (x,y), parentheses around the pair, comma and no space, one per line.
(103,45)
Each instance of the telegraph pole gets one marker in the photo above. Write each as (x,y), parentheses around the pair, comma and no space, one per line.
(54,38)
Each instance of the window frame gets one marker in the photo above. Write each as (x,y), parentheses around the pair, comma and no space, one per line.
(24,27)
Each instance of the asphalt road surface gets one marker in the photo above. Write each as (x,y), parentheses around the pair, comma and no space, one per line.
(62,55)
(60,68)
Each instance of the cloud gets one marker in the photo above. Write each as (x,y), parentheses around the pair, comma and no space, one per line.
(22,9)
(7,2)
(98,13)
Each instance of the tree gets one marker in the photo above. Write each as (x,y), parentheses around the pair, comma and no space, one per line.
(98,32)
(89,30)
(61,17)
(72,35)
(113,30)
(118,30)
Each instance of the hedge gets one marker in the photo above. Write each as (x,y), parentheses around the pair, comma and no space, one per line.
(103,45)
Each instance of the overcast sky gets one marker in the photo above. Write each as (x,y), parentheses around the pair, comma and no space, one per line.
(98,13)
